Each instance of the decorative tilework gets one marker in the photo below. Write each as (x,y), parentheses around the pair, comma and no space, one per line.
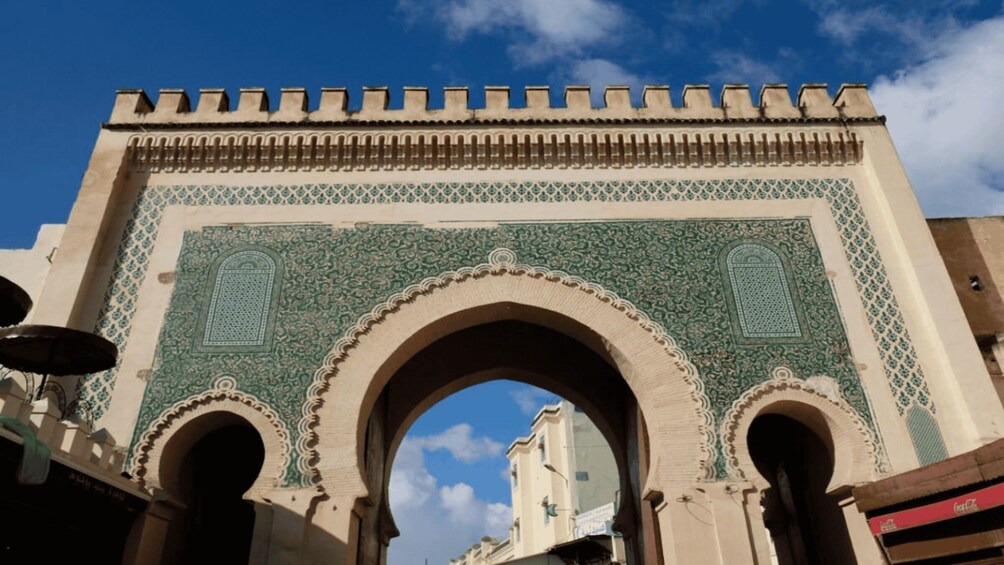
(747,406)
(899,357)
(222,390)
(763,301)
(664,270)
(241,302)
(503,262)
(926,436)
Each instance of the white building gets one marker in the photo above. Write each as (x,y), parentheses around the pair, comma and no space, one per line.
(565,465)
(564,486)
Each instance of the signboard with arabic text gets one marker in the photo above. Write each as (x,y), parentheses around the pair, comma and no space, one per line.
(596,522)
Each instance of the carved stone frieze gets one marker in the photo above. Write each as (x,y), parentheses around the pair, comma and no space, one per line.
(528,147)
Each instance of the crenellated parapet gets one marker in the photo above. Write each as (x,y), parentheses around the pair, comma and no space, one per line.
(70,440)
(812,104)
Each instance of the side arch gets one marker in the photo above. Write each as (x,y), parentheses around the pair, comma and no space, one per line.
(667,386)
(815,404)
(180,426)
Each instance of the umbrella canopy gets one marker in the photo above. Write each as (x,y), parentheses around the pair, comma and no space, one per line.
(14,303)
(49,350)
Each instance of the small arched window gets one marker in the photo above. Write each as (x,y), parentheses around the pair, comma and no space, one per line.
(760,293)
(241,307)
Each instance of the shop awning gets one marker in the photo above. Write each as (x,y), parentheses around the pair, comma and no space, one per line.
(589,549)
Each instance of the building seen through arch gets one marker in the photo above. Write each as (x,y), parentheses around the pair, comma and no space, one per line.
(743,297)
(565,487)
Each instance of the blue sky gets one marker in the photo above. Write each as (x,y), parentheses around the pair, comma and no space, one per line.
(935,69)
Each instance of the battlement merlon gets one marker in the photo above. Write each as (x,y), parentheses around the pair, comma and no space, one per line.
(812,103)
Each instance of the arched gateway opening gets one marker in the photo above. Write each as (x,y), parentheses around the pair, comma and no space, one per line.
(519,351)
(483,460)
(207,469)
(504,320)
(805,523)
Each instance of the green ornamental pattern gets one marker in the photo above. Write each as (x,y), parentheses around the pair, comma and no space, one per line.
(761,295)
(240,311)
(668,269)
(902,369)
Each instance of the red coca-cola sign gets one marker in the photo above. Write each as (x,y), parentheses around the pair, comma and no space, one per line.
(966,507)
(976,501)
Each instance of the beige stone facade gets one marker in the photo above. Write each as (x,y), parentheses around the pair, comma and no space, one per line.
(485,552)
(615,255)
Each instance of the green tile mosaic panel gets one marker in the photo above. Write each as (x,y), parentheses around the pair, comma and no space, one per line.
(927,440)
(668,269)
(241,301)
(902,370)
(760,292)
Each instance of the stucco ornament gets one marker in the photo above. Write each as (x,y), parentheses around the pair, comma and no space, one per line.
(501,262)
(223,396)
(857,455)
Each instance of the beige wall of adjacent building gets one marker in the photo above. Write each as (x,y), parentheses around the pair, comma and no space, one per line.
(28,268)
(973,251)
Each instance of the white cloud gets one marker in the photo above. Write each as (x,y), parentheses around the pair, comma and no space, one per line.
(735,67)
(411,485)
(847,26)
(530,399)
(460,443)
(461,504)
(437,522)
(540,29)
(877,35)
(456,499)
(947,121)
(600,73)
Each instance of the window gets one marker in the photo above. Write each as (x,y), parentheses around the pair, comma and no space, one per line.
(547,511)
(582,475)
(542,447)
(760,293)
(243,296)
(515,476)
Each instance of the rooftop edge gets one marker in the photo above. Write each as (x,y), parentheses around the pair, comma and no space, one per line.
(812,101)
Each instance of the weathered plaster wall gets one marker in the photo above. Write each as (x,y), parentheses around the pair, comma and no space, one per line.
(972,247)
